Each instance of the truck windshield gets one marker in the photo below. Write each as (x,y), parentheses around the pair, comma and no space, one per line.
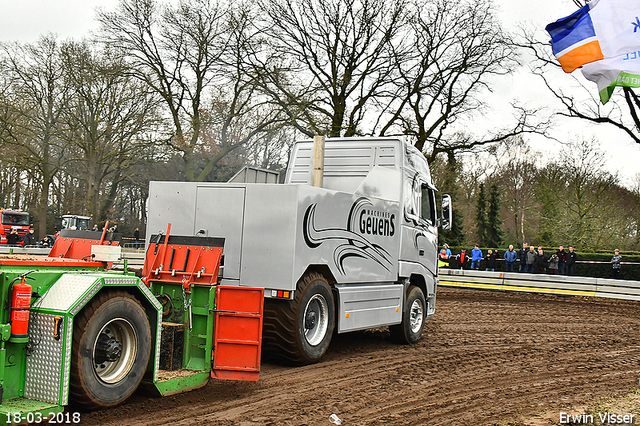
(78,223)
(15,219)
(83,224)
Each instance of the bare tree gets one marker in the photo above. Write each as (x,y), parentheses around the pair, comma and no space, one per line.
(411,67)
(181,51)
(329,60)
(238,114)
(457,50)
(174,51)
(517,174)
(272,151)
(36,97)
(108,120)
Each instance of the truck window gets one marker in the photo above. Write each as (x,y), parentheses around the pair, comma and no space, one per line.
(427,206)
(15,219)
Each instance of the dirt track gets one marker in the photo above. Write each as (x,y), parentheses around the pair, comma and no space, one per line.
(487,358)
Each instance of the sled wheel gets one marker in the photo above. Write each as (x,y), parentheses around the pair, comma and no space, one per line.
(110,352)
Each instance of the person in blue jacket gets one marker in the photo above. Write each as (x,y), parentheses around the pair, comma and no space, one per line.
(444,256)
(476,257)
(445,253)
(510,257)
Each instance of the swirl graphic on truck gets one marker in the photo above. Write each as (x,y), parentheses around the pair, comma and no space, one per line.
(362,218)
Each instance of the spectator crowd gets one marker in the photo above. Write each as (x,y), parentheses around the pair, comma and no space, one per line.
(530,260)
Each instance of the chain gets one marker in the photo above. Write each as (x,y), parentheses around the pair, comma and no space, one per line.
(187,305)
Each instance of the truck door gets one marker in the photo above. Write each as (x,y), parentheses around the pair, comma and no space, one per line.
(419,234)
(427,237)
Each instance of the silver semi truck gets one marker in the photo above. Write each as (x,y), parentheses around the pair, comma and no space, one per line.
(359,252)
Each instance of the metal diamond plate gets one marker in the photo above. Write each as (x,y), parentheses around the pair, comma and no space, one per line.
(67,363)
(158,338)
(88,296)
(149,295)
(123,281)
(44,364)
(66,291)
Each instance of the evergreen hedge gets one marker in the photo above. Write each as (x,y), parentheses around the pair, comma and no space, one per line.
(596,270)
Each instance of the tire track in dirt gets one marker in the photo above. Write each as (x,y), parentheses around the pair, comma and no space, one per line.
(486,358)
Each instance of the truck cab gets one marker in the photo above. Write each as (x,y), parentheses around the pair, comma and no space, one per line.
(13,220)
(76,222)
(389,169)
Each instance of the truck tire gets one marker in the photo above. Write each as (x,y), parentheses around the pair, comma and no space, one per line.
(409,331)
(299,331)
(110,352)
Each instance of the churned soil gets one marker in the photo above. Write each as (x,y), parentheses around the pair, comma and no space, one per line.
(487,358)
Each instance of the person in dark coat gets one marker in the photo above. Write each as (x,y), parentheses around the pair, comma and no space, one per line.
(491,260)
(30,238)
(523,257)
(13,238)
(572,258)
(46,242)
(562,259)
(616,262)
(136,236)
(541,262)
(463,258)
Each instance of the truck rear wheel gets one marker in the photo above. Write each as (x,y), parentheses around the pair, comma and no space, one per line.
(410,330)
(299,331)
(110,352)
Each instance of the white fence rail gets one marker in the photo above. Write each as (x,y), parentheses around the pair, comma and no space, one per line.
(35,251)
(540,283)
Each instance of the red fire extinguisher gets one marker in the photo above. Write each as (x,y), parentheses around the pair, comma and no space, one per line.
(20,304)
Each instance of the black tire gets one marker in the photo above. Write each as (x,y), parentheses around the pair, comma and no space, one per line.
(299,331)
(110,352)
(410,330)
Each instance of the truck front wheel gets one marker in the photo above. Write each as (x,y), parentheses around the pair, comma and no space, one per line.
(110,352)
(299,331)
(410,330)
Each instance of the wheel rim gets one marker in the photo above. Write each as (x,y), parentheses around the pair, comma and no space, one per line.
(416,318)
(114,350)
(316,319)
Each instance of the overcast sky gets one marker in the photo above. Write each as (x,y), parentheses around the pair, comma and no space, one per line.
(25,20)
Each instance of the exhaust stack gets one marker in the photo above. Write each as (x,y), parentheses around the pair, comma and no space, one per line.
(317,170)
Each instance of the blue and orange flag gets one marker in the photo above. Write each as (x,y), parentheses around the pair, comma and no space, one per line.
(601,29)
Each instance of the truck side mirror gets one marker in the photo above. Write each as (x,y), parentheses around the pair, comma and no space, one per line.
(447,213)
